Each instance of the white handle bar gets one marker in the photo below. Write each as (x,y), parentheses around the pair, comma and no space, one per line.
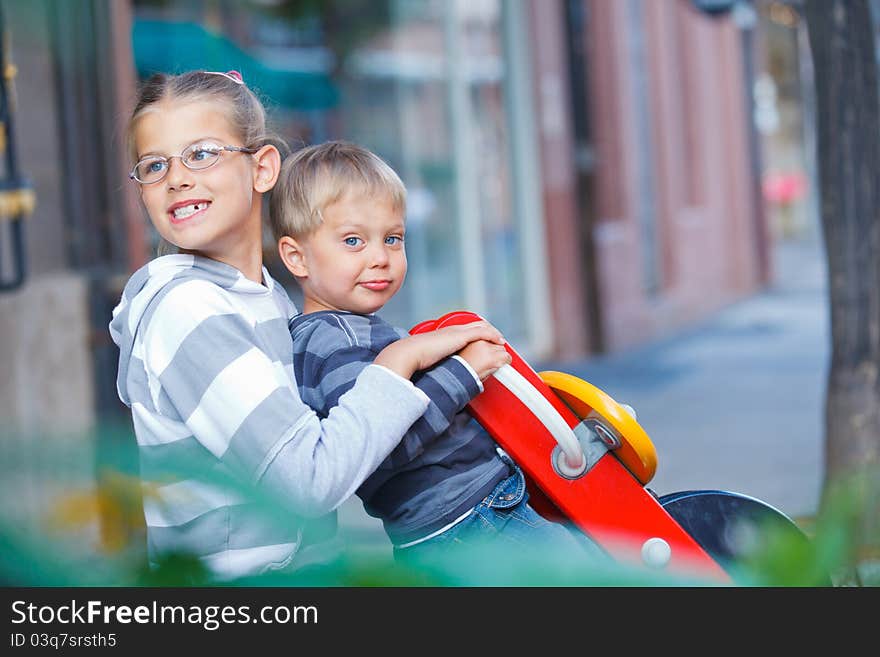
(575,461)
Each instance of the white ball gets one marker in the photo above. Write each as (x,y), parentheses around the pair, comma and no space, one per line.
(656,552)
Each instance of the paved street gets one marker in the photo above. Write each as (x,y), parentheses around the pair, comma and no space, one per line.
(735,403)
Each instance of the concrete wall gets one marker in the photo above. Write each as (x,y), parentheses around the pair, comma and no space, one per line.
(46,384)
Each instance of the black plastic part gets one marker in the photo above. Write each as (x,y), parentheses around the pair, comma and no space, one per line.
(729,526)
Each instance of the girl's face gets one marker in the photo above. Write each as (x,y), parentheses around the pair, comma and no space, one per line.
(214,212)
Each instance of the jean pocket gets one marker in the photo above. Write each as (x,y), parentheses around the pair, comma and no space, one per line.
(509,492)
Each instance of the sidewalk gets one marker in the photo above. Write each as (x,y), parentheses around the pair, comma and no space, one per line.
(736,403)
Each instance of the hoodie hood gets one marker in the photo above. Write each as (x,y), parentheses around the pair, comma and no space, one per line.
(151,282)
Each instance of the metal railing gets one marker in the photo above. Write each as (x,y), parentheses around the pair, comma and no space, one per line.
(17,198)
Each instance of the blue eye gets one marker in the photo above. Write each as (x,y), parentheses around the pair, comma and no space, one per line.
(203,154)
(352,241)
(394,240)
(153,169)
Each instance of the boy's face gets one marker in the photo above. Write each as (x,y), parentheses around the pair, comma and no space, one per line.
(355,261)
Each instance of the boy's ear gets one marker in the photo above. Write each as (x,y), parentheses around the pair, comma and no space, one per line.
(268,161)
(293,257)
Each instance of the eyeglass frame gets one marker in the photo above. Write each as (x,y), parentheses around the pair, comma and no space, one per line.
(167,160)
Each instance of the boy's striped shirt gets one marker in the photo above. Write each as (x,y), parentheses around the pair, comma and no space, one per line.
(445,464)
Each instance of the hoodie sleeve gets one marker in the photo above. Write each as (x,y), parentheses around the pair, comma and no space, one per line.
(333,352)
(207,369)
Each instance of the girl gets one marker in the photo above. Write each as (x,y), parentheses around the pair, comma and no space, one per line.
(206,355)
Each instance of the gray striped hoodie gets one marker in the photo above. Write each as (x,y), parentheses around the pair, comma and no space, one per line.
(233,462)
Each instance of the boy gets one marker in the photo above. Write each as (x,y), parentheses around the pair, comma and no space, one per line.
(338,214)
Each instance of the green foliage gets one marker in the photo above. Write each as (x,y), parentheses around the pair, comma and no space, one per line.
(87,530)
(840,547)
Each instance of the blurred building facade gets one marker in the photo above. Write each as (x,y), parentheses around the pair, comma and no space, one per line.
(784,116)
(580,172)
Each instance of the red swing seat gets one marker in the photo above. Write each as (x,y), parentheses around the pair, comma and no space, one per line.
(586,460)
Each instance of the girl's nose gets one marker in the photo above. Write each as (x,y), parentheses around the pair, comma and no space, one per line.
(179,177)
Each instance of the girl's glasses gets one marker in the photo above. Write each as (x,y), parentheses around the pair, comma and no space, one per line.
(196,157)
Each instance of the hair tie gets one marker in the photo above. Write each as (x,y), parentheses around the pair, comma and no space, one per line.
(233,75)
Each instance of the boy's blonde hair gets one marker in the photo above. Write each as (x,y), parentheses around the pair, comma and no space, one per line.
(315,177)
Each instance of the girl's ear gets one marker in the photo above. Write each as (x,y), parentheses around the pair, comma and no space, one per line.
(268,161)
(293,257)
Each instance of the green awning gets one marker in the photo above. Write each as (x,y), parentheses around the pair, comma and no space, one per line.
(175,47)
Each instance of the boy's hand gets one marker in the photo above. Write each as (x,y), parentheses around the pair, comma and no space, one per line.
(485,357)
(417,352)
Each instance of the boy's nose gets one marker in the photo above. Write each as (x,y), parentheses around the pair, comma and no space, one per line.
(378,256)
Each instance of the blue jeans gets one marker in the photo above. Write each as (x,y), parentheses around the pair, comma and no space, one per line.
(504,519)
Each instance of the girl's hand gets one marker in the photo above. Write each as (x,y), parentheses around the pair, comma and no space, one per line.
(417,352)
(485,357)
